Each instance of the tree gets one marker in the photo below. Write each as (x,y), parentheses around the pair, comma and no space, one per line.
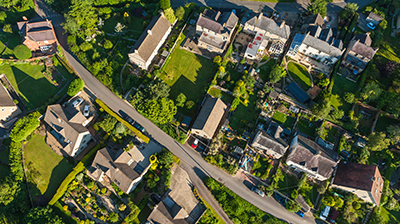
(81,19)
(350,9)
(302,181)
(243,61)
(157,89)
(328,201)
(323,82)
(349,97)
(108,124)
(322,108)
(276,74)
(217,60)
(221,69)
(165,4)
(249,81)
(75,86)
(22,52)
(170,15)
(8,189)
(120,128)
(371,92)
(165,157)
(180,13)
(294,194)
(318,6)
(337,114)
(108,44)
(85,46)
(113,217)
(377,141)
(122,207)
(159,111)
(42,215)
(3,16)
(7,28)
(338,202)
(180,100)
(292,206)
(393,133)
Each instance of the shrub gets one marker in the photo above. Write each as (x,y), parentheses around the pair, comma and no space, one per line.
(294,194)
(75,86)
(104,190)
(113,217)
(349,97)
(22,52)
(122,207)
(24,127)
(90,184)
(108,44)
(189,104)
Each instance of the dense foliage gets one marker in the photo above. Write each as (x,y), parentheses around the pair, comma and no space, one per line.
(25,126)
(75,86)
(42,215)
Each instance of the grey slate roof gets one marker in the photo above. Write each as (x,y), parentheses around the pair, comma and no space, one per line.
(314,31)
(114,164)
(210,115)
(310,155)
(271,140)
(164,214)
(375,17)
(362,49)
(67,123)
(314,20)
(209,24)
(363,38)
(269,25)
(322,46)
(217,22)
(147,42)
(5,97)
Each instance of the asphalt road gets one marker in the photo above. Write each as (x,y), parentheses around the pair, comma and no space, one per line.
(193,162)
(296,7)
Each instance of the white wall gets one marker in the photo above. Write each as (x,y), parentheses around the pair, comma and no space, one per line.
(316,54)
(81,143)
(310,173)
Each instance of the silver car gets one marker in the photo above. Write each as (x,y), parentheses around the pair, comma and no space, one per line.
(258,191)
(77,102)
(86,110)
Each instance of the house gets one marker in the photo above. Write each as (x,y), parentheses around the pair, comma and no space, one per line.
(297,92)
(9,109)
(309,157)
(66,130)
(125,169)
(258,44)
(365,181)
(271,32)
(359,53)
(317,44)
(215,29)
(211,114)
(38,36)
(273,141)
(167,211)
(374,18)
(148,44)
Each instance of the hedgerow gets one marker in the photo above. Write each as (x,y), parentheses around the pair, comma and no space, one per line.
(25,126)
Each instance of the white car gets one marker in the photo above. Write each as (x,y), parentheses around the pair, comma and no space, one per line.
(86,111)
(77,102)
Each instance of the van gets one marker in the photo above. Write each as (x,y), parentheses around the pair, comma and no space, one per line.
(324,213)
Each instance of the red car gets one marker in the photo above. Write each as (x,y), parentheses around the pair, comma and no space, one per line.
(195,143)
(334,216)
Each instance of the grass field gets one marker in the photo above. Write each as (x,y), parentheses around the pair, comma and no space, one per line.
(45,168)
(304,126)
(244,115)
(189,74)
(227,98)
(300,74)
(283,119)
(266,68)
(134,29)
(32,86)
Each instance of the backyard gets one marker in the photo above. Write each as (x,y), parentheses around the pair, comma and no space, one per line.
(245,115)
(287,184)
(340,87)
(266,68)
(300,74)
(215,92)
(30,83)
(283,119)
(189,74)
(261,167)
(134,29)
(46,169)
(304,126)
(328,132)
(384,121)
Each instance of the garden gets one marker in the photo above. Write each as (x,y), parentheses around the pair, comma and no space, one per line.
(300,74)
(266,68)
(245,115)
(327,132)
(45,169)
(262,166)
(307,125)
(283,119)
(226,97)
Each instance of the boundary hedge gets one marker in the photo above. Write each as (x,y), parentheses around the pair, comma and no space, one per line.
(65,215)
(112,113)
(64,185)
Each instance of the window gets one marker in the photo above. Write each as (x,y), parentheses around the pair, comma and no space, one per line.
(12,109)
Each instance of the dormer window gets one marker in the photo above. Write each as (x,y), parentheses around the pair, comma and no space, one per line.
(130,162)
(302,163)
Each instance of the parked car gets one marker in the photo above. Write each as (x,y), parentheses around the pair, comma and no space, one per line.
(129,119)
(280,199)
(86,110)
(258,191)
(324,213)
(195,143)
(300,213)
(77,102)
(139,127)
(371,25)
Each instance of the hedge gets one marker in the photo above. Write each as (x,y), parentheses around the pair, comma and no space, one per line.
(88,158)
(22,52)
(25,126)
(112,113)
(64,185)
(75,86)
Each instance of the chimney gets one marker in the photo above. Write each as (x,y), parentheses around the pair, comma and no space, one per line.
(283,23)
(149,32)
(136,51)
(368,33)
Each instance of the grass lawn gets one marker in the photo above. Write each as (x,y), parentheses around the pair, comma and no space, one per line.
(300,74)
(13,41)
(32,86)
(390,216)
(283,119)
(304,126)
(384,121)
(266,68)
(261,165)
(45,168)
(189,74)
(309,192)
(244,115)
(340,87)
(134,29)
(227,98)
(288,184)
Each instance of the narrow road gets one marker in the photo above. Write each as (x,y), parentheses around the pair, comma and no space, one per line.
(194,163)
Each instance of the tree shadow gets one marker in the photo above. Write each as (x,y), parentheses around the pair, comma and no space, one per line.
(35,92)
(58,174)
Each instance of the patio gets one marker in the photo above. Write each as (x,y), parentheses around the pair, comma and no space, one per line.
(312,63)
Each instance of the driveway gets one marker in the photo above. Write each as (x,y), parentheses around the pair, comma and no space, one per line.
(197,167)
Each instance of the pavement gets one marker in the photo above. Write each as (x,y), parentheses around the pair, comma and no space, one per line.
(192,161)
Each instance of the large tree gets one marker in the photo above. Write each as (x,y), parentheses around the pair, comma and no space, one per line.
(276,74)
(157,89)
(393,133)
(318,6)
(371,92)
(159,111)
(81,19)
(165,4)
(350,9)
(8,189)
(42,215)
(377,141)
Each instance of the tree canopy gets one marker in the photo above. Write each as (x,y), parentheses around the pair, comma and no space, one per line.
(81,19)
(159,111)
(377,141)
(318,6)
(42,215)
(276,74)
(75,87)
(371,92)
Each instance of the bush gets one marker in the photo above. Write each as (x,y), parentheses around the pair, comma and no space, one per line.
(75,86)
(104,190)
(113,217)
(90,184)
(22,52)
(189,104)
(24,127)
(294,194)
(349,97)
(108,44)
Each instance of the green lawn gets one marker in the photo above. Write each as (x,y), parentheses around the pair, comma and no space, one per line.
(304,126)
(46,169)
(244,115)
(227,98)
(283,119)
(300,74)
(288,184)
(309,192)
(32,86)
(4,155)
(189,74)
(266,68)
(133,30)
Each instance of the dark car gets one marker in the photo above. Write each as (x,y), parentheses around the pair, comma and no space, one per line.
(129,119)
(139,127)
